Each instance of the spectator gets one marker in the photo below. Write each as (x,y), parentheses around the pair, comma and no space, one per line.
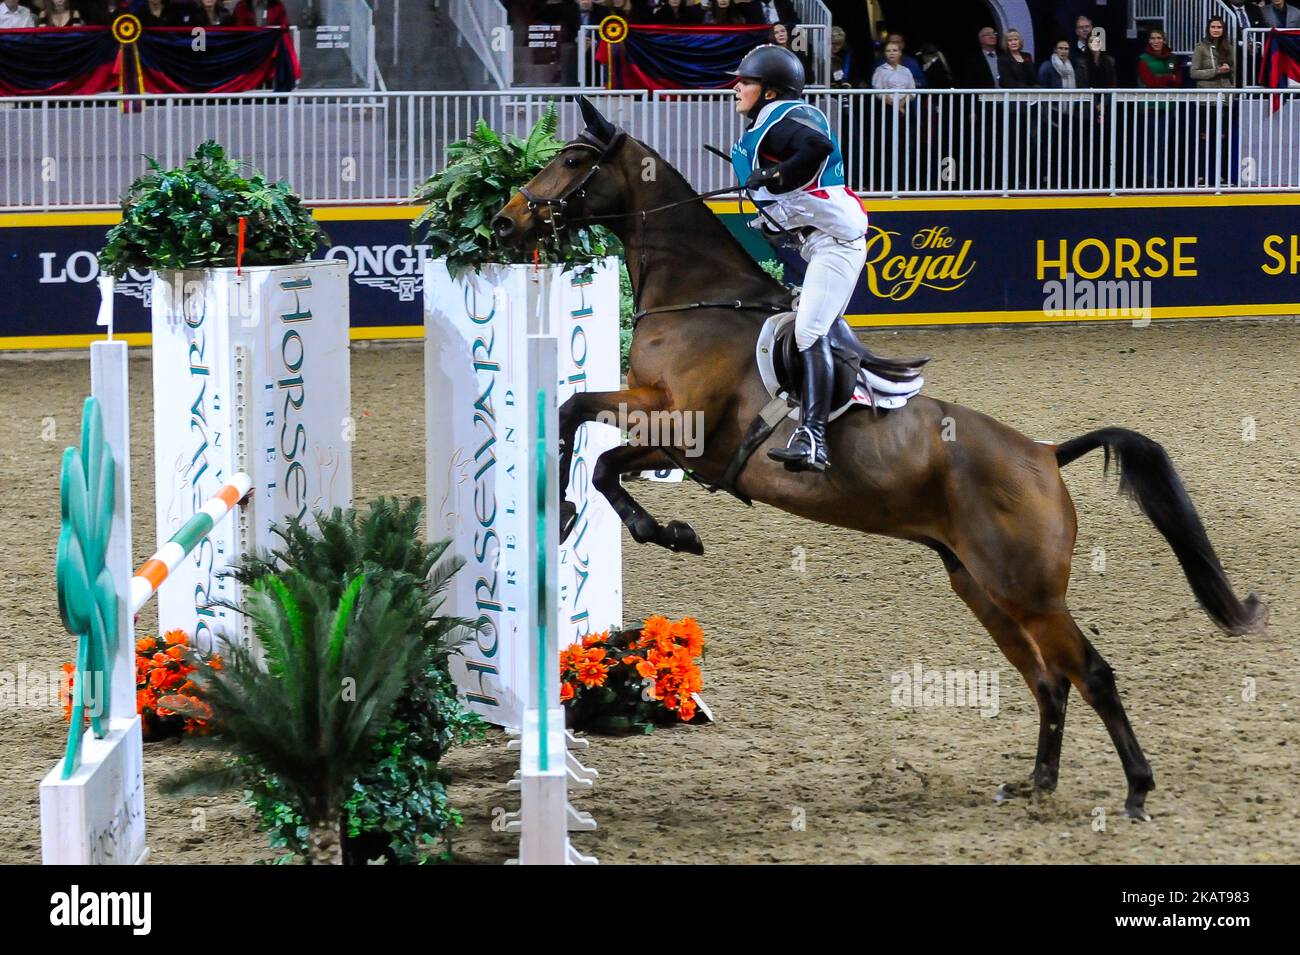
(891,74)
(1082,34)
(210,13)
(261,13)
(678,13)
(913,65)
(576,14)
(938,74)
(725,13)
(777,11)
(15,17)
(1277,13)
(1016,64)
(1246,15)
(844,75)
(1100,64)
(779,35)
(1157,68)
(158,13)
(1213,66)
(750,11)
(1062,70)
(982,69)
(60,13)
(1213,62)
(632,11)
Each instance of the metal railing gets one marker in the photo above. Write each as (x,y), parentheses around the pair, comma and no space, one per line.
(814,16)
(484,25)
(375,147)
(1251,52)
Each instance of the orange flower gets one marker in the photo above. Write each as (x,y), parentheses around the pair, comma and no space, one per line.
(175,637)
(592,639)
(686,710)
(176,652)
(645,668)
(592,674)
(566,691)
(144,645)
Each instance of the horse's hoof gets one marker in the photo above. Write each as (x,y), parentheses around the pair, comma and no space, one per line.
(1137,814)
(568,518)
(1013,791)
(680,537)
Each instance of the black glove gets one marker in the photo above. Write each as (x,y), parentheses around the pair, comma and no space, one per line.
(761,178)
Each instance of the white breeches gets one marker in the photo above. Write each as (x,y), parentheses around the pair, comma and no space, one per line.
(834,266)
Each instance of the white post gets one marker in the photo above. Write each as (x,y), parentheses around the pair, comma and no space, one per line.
(97,815)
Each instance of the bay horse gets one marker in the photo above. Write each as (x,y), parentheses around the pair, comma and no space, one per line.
(989,500)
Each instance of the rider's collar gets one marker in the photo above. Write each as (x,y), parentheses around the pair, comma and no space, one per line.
(762,114)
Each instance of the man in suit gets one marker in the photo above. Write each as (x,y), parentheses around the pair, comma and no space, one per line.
(1082,33)
(1279,14)
(777,11)
(982,67)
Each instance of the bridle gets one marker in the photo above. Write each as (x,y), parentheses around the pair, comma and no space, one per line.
(557,207)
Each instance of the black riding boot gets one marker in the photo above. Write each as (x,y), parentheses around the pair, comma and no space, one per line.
(807,448)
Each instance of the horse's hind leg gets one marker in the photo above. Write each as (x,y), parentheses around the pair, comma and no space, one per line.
(1050,689)
(1064,646)
(676,535)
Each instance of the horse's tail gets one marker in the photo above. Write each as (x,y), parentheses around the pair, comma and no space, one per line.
(1147,475)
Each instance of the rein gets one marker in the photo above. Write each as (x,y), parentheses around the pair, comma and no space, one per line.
(557,207)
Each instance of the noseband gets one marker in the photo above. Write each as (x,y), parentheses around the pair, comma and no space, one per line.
(557,205)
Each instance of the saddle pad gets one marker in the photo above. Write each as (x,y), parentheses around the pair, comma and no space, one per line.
(886,394)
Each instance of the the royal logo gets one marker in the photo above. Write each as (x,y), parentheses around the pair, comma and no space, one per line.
(935,260)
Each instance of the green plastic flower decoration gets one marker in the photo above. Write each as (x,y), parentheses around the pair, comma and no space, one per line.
(87,597)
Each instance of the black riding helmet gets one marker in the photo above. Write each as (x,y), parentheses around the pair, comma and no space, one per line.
(775,67)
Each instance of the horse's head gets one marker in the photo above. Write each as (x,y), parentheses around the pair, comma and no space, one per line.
(582,180)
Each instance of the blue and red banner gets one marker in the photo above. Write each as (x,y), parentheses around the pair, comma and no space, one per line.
(74,61)
(1280,66)
(677,58)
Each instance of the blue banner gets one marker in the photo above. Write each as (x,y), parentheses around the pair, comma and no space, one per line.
(929,262)
(657,58)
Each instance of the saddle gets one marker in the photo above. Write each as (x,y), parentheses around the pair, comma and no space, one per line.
(861,376)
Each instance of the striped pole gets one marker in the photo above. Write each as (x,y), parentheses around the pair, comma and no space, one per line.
(147,580)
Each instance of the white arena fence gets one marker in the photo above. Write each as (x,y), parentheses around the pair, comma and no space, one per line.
(63,153)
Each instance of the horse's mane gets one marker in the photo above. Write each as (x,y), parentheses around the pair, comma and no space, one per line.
(705,224)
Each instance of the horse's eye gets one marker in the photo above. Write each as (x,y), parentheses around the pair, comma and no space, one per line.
(571,162)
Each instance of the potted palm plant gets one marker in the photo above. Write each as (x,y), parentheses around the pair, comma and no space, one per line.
(250,346)
(309,712)
(397,807)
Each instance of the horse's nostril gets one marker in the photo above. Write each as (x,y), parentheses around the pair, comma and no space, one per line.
(503,225)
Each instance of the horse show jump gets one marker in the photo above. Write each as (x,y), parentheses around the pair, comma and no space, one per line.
(576,650)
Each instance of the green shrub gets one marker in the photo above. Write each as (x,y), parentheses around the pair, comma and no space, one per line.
(188,218)
(482,173)
(397,805)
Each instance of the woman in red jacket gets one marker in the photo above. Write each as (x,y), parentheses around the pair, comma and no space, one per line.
(261,13)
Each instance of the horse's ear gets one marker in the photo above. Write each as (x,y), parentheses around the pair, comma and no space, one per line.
(597,124)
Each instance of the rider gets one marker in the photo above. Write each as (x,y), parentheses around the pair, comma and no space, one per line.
(790,162)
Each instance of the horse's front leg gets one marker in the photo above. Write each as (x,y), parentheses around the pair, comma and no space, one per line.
(587,406)
(676,535)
